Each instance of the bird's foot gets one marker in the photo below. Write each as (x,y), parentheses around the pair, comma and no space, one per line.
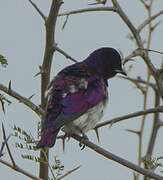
(84,137)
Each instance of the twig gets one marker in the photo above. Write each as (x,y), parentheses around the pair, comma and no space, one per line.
(18,169)
(8,149)
(151,50)
(69,172)
(148,7)
(136,36)
(132,115)
(23,100)
(38,10)
(144,3)
(139,80)
(64,24)
(133,54)
(127,21)
(55,47)
(147,21)
(88,10)
(3,145)
(118,159)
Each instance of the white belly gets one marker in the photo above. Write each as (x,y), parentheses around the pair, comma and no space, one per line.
(87,121)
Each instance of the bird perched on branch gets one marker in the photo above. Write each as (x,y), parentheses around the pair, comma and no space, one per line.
(78,95)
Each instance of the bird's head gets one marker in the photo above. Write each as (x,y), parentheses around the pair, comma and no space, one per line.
(106,62)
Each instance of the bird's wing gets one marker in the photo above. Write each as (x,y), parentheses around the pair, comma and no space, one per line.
(71,96)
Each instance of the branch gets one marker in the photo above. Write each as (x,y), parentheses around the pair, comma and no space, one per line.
(155,128)
(3,145)
(38,10)
(8,149)
(68,173)
(22,99)
(64,53)
(50,25)
(133,54)
(136,36)
(49,46)
(147,21)
(18,169)
(132,115)
(88,10)
(118,159)
(128,22)
(141,81)
(144,3)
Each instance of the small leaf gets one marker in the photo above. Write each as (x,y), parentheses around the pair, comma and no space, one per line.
(3,61)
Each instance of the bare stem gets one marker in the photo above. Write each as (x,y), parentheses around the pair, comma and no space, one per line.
(37,9)
(94,9)
(39,111)
(50,25)
(19,170)
(64,53)
(149,20)
(117,159)
(132,115)
(7,146)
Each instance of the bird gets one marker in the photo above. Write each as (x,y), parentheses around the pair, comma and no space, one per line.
(77,95)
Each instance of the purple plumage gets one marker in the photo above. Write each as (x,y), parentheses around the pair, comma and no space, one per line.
(78,95)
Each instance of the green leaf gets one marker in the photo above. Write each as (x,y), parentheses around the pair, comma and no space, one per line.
(3,61)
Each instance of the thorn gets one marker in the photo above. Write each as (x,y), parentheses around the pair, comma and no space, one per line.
(97,134)
(31,96)
(69,172)
(63,137)
(40,72)
(63,144)
(132,131)
(99,2)
(9,87)
(111,124)
(3,145)
(127,60)
(65,22)
(154,27)
(134,174)
(2,104)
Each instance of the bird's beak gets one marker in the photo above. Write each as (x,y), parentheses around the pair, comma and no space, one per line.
(121,71)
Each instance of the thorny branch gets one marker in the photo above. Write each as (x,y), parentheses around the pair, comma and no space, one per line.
(18,169)
(50,25)
(118,159)
(38,10)
(39,111)
(149,20)
(132,115)
(7,146)
(50,22)
(94,9)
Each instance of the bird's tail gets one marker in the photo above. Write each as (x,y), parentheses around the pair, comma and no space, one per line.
(48,139)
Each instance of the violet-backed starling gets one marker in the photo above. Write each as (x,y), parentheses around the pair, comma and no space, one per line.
(78,95)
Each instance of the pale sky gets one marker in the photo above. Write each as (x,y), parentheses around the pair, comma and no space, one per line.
(22,38)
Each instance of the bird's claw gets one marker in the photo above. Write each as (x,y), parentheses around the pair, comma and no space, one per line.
(81,144)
